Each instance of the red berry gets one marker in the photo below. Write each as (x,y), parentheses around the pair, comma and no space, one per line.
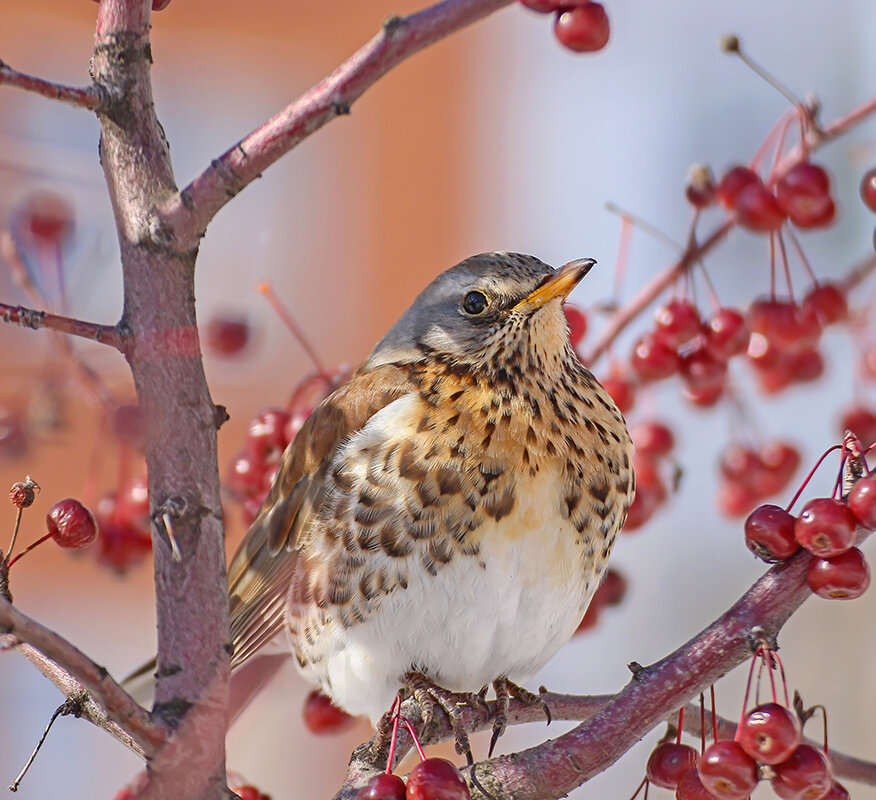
(584,28)
(837,792)
(71,524)
(47,218)
(227,334)
(323,716)
(736,499)
(803,193)
(703,396)
(668,761)
(733,182)
(577,321)
(650,492)
(825,527)
(805,366)
(769,533)
(862,422)
(23,493)
(246,475)
(823,220)
(726,333)
(678,322)
(770,733)
(700,187)
(862,501)
(132,504)
(436,779)
(690,787)
(757,209)
(123,543)
(829,303)
(806,775)
(778,462)
(652,439)
(158,5)
(843,577)
(653,359)
(785,325)
(250,793)
(590,618)
(702,372)
(542,6)
(384,786)
(738,463)
(611,589)
(621,390)
(868,189)
(266,437)
(727,771)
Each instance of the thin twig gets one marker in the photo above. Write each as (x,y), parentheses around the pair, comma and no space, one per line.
(31,318)
(72,671)
(88,97)
(69,706)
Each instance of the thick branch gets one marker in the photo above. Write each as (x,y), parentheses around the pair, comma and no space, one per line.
(110,706)
(31,318)
(89,97)
(186,215)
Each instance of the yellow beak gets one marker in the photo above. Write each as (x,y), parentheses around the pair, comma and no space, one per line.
(559,284)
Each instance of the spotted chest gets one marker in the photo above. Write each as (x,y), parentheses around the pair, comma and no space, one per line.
(461,495)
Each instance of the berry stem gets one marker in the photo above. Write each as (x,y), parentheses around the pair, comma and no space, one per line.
(413,735)
(680,725)
(802,256)
(785,266)
(395,710)
(702,723)
(772,266)
(759,70)
(267,290)
(714,713)
(15,528)
(29,548)
(642,785)
(808,478)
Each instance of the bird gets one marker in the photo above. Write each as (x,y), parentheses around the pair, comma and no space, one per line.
(441,521)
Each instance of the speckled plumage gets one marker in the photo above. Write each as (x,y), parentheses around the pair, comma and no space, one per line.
(450,509)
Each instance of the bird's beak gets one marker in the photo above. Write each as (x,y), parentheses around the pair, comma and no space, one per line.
(559,284)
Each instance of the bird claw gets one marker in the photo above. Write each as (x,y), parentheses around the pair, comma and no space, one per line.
(505,690)
(429,696)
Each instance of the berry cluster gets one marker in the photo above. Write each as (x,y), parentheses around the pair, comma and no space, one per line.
(826,528)
(321,716)
(123,518)
(750,475)
(431,779)
(654,443)
(768,744)
(580,25)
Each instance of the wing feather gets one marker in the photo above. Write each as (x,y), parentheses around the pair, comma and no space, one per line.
(268,558)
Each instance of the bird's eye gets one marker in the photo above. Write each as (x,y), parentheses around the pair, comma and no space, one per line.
(475,303)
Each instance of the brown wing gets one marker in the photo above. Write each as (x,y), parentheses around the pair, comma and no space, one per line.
(264,565)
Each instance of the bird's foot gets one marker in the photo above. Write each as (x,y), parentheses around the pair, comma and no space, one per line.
(505,690)
(429,696)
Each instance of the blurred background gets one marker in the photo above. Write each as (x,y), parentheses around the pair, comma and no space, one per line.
(495,139)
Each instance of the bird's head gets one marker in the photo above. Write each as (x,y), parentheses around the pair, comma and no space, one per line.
(486,312)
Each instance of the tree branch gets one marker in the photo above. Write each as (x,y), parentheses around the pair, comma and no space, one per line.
(185,216)
(89,97)
(108,705)
(31,318)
